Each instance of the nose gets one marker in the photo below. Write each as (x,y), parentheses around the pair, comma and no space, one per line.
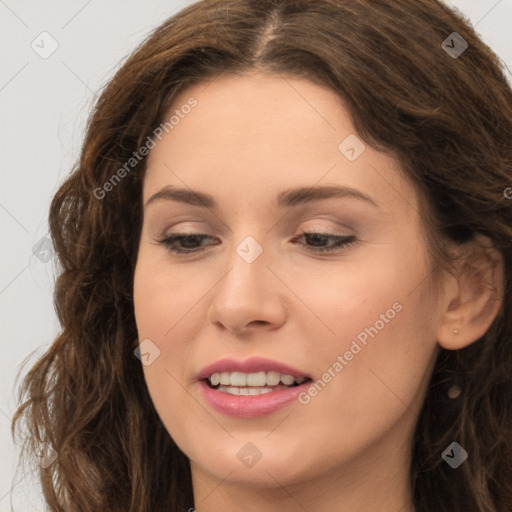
(248,297)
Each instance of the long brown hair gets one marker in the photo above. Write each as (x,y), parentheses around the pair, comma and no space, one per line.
(447,118)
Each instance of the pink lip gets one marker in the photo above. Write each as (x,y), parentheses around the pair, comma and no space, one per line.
(252,406)
(251,365)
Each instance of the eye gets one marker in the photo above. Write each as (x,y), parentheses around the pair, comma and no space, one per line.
(192,242)
(333,242)
(189,241)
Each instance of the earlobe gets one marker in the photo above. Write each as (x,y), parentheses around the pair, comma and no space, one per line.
(474,297)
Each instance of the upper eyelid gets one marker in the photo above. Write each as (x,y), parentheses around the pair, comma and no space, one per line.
(298,231)
(310,218)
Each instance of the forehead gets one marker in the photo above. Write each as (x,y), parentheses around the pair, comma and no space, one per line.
(245,113)
(249,137)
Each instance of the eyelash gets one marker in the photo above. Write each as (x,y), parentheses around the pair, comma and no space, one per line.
(341,242)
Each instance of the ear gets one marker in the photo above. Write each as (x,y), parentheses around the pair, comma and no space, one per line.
(472,296)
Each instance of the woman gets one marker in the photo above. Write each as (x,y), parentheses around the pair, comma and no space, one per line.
(286,259)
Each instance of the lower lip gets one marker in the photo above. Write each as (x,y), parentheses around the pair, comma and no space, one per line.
(255,406)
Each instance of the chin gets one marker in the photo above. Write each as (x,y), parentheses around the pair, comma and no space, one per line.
(253,460)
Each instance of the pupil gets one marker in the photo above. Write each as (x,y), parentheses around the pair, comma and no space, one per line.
(316,239)
(190,241)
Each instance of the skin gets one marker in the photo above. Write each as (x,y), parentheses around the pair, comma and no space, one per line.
(249,138)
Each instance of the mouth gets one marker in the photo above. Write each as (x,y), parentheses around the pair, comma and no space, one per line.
(252,388)
(253,384)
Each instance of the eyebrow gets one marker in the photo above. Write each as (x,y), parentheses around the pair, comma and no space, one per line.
(285,199)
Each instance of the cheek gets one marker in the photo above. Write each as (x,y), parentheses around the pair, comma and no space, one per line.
(168,312)
(377,295)
(375,367)
(163,295)
(160,302)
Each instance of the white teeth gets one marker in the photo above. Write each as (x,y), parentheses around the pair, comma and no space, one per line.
(232,390)
(238,379)
(256,380)
(288,380)
(273,378)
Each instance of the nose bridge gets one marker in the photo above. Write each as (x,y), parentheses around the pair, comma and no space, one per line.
(246,294)
(246,269)
(249,249)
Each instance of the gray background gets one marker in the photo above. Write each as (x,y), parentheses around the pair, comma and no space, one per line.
(44,105)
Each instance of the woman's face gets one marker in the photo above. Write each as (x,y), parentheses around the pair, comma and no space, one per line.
(259,297)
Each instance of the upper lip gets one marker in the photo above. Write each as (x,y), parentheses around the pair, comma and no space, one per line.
(251,365)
